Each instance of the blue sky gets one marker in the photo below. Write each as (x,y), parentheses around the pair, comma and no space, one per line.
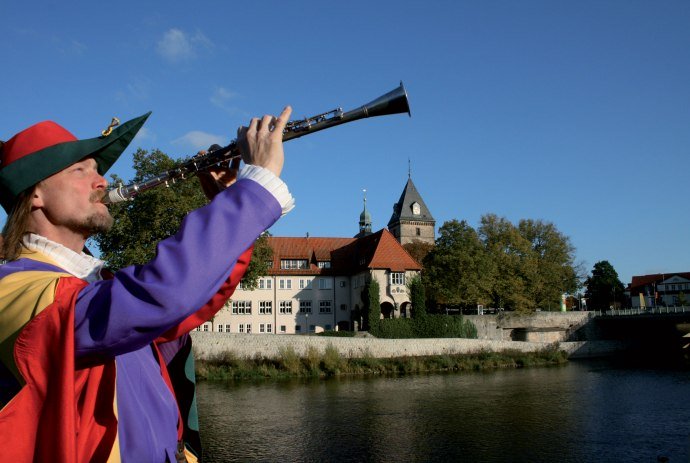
(575,113)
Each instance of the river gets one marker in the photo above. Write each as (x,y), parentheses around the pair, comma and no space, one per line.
(585,411)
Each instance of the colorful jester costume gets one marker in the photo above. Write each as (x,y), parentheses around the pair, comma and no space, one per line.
(93,369)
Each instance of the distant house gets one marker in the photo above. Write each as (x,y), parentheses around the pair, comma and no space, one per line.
(661,289)
(316,284)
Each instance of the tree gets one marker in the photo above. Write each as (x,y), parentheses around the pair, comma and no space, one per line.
(157,214)
(513,266)
(418,249)
(372,303)
(456,270)
(415,288)
(520,268)
(604,289)
(556,272)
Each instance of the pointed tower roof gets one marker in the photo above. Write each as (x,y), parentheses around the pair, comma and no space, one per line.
(410,206)
(364,219)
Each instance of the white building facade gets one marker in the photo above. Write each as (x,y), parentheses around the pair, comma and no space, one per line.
(316,284)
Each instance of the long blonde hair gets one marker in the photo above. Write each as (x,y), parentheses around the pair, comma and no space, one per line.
(17,225)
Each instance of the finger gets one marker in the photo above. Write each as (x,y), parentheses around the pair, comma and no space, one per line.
(282,120)
(266,123)
(253,125)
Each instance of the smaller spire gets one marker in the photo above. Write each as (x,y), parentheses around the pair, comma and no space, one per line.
(409,168)
(364,218)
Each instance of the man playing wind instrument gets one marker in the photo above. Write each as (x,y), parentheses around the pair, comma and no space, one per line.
(88,360)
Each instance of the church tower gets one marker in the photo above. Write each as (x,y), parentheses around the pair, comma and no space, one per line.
(411,219)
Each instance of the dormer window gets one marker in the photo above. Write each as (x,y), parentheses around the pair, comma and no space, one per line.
(416,209)
(294,264)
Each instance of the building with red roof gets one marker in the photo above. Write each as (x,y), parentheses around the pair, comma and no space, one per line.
(316,283)
(659,289)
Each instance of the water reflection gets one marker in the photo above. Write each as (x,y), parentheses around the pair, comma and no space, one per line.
(580,412)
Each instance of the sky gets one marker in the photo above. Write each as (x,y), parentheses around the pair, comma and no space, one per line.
(574,113)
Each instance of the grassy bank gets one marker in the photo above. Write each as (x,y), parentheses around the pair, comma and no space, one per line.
(330,363)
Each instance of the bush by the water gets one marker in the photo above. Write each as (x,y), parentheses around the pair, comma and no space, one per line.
(316,364)
(428,326)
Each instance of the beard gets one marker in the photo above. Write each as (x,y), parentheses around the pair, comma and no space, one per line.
(97,222)
(92,224)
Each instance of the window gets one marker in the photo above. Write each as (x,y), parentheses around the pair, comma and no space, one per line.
(324,264)
(249,328)
(239,285)
(266,307)
(397,278)
(324,306)
(294,264)
(242,307)
(265,283)
(298,328)
(283,329)
(269,328)
(220,328)
(285,306)
(241,328)
(419,231)
(304,283)
(206,327)
(327,327)
(343,306)
(262,328)
(325,283)
(304,306)
(227,327)
(285,283)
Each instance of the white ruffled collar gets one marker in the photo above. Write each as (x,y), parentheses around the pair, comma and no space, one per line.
(80,265)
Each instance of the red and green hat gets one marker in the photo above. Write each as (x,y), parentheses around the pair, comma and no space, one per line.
(46,148)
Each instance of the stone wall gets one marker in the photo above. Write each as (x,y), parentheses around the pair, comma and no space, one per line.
(208,345)
(536,327)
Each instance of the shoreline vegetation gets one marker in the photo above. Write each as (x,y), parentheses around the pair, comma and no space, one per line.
(329,363)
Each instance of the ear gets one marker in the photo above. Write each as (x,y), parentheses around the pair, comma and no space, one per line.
(37,197)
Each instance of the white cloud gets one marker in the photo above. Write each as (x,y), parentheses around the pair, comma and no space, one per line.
(224,99)
(144,134)
(197,140)
(176,45)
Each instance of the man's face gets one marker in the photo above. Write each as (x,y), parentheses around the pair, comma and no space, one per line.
(71,199)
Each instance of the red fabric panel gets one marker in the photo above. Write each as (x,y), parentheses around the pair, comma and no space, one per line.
(60,415)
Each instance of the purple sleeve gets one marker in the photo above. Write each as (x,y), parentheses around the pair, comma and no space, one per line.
(143,301)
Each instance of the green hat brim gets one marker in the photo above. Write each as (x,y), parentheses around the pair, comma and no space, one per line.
(32,168)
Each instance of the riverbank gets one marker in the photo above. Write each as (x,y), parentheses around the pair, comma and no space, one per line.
(330,363)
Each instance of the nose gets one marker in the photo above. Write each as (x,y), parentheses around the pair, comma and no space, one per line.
(99,183)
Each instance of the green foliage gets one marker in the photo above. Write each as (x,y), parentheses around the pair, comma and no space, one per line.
(418,249)
(337,334)
(429,326)
(604,289)
(151,217)
(456,272)
(520,268)
(415,288)
(157,214)
(288,365)
(262,256)
(372,304)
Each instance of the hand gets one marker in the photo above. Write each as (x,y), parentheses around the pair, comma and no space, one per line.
(218,177)
(261,144)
